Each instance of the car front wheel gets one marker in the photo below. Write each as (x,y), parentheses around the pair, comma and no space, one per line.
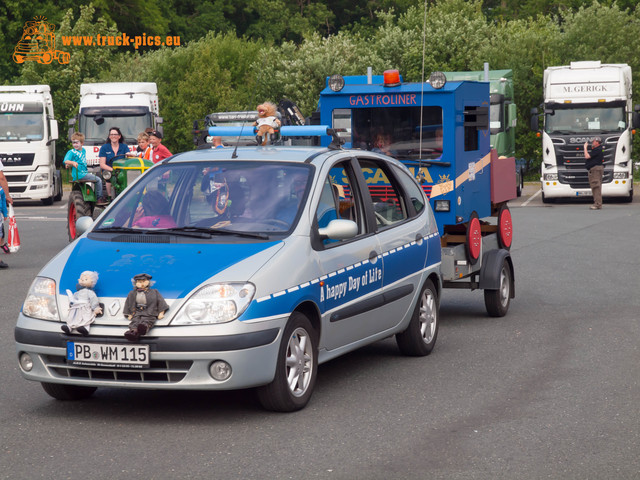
(296,368)
(68,392)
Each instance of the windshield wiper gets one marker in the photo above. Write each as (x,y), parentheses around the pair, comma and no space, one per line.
(208,232)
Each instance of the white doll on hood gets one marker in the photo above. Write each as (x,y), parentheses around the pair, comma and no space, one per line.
(83,305)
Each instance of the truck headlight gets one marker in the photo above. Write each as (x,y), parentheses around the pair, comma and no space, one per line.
(216,303)
(41,177)
(550,177)
(41,300)
(620,175)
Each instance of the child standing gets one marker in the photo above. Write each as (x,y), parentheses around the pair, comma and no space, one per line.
(77,159)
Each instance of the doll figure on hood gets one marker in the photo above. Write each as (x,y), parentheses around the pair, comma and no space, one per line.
(83,305)
(143,306)
(267,122)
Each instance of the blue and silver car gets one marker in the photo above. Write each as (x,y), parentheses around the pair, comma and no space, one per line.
(272,260)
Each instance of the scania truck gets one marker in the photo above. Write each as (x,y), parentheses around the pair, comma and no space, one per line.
(130,106)
(582,101)
(28,134)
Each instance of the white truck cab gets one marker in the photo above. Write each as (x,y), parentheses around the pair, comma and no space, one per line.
(28,134)
(130,106)
(582,101)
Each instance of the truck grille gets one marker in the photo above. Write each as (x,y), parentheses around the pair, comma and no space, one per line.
(16,178)
(160,371)
(17,159)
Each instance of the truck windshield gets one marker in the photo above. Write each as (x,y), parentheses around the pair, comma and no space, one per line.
(21,127)
(210,199)
(395,131)
(96,127)
(590,119)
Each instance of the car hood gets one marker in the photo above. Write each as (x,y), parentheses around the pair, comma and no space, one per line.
(176,268)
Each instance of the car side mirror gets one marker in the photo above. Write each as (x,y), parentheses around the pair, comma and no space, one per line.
(83,224)
(339,229)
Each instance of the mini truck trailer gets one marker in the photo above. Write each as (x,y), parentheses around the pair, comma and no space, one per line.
(440,131)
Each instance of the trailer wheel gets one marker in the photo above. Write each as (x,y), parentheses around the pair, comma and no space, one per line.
(420,336)
(473,244)
(497,301)
(76,208)
(505,228)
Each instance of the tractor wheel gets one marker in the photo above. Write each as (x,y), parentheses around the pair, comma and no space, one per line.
(77,208)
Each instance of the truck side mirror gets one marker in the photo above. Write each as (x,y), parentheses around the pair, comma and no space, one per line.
(636,119)
(534,120)
(512,115)
(53,130)
(72,129)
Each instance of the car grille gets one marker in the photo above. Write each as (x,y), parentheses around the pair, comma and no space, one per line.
(160,371)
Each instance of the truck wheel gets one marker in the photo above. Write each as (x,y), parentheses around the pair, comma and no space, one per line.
(68,392)
(76,208)
(505,228)
(420,336)
(58,190)
(497,301)
(473,244)
(296,368)
(47,201)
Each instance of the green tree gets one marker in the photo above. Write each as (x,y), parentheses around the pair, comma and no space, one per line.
(299,72)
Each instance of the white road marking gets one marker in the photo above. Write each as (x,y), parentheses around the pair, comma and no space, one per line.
(531,198)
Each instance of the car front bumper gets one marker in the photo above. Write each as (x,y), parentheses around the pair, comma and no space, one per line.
(179,358)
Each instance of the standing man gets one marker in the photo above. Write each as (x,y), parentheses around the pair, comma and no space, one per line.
(594,161)
(160,152)
(4,187)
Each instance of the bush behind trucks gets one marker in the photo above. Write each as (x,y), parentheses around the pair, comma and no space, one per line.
(440,131)
(582,101)
(130,106)
(28,134)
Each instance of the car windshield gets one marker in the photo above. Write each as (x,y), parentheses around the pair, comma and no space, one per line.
(209,198)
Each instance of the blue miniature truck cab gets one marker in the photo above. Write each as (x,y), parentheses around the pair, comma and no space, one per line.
(440,131)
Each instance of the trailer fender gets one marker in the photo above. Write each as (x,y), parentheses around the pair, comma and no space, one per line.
(492,263)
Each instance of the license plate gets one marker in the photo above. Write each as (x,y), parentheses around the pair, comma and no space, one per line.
(108,355)
(583,194)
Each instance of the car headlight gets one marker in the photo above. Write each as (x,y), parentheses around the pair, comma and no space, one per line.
(550,177)
(216,303)
(41,300)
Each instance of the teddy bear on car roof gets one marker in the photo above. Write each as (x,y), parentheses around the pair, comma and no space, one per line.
(267,122)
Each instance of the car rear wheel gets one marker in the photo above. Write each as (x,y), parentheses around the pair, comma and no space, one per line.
(296,368)
(68,392)
(420,336)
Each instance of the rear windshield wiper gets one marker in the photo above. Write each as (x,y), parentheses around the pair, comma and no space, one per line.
(208,232)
